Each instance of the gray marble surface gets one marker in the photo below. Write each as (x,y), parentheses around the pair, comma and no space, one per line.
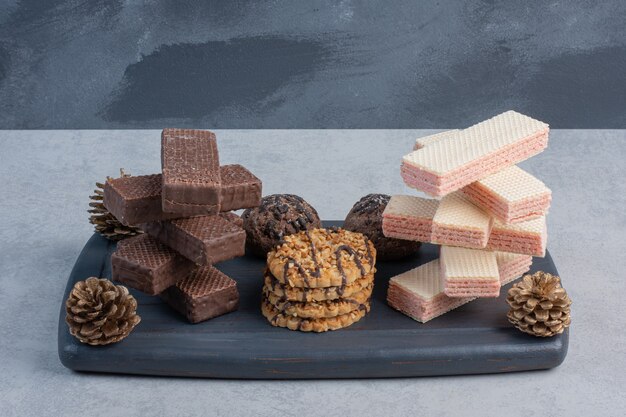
(75,64)
(46,177)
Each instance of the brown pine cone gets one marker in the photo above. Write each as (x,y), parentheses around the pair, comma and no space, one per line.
(100,312)
(539,305)
(104,222)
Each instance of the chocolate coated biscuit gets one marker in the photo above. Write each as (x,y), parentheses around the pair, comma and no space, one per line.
(203,294)
(191,172)
(277,216)
(143,263)
(204,240)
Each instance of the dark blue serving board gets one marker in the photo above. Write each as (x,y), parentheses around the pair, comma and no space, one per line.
(473,339)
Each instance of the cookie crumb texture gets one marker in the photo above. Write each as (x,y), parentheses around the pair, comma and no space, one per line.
(277,216)
(322,258)
(366,216)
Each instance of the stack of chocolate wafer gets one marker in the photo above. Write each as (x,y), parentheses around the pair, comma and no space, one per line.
(319,280)
(186,212)
(488,215)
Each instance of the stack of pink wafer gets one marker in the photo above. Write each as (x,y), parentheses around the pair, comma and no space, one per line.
(419,293)
(488,215)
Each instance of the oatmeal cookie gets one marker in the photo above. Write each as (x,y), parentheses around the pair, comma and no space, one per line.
(312,325)
(322,258)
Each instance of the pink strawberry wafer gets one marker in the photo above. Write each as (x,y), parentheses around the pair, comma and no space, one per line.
(409,218)
(474,153)
(427,140)
(527,238)
(458,222)
(419,293)
(469,272)
(511,195)
(512,266)
(452,221)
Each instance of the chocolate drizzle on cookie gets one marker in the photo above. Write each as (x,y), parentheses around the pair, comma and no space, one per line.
(317,272)
(357,261)
(303,273)
(292,262)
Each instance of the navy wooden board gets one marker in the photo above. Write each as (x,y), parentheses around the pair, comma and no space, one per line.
(473,339)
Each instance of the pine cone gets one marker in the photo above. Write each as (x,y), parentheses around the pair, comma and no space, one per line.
(539,305)
(105,223)
(100,312)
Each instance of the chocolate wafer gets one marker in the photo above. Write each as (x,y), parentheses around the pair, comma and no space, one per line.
(205,240)
(143,263)
(204,294)
(135,200)
(232,217)
(239,188)
(191,172)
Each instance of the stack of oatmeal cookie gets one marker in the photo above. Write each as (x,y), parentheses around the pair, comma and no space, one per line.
(319,280)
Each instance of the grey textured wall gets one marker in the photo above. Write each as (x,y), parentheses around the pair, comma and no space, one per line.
(315,64)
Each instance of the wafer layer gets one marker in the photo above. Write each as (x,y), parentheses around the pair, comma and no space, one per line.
(191,172)
(419,293)
(138,199)
(527,238)
(474,153)
(452,221)
(204,294)
(469,272)
(135,199)
(458,222)
(511,195)
(430,139)
(143,263)
(414,218)
(239,188)
(512,266)
(410,218)
(205,240)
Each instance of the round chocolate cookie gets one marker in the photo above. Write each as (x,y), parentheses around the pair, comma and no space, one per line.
(278,215)
(366,217)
